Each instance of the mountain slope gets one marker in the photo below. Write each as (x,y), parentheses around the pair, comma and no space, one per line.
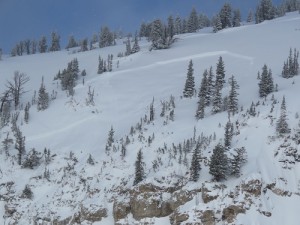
(122,98)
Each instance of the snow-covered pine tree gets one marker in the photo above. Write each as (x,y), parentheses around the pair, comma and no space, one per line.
(32,159)
(156,34)
(195,164)
(135,47)
(100,65)
(72,42)
(177,25)
(5,114)
(217,100)
(266,85)
(171,28)
(193,21)
(226,15)
(106,37)
(228,135)
(19,144)
(250,17)
(220,73)
(189,88)
(217,24)
(210,86)
(200,113)
(291,66)
(203,101)
(239,158)
(27,192)
(110,140)
(128,47)
(236,19)
(90,160)
(43,98)
(264,11)
(282,126)
(151,118)
(232,98)
(55,45)
(139,168)
(26,112)
(218,166)
(43,45)
(84,45)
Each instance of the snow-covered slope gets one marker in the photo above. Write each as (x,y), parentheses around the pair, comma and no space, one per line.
(123,98)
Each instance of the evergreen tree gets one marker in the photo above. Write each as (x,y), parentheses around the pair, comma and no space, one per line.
(282,126)
(27,192)
(5,114)
(139,168)
(232,98)
(217,100)
(200,113)
(33,47)
(195,164)
(210,86)
(72,42)
(228,134)
(110,141)
(43,98)
(177,25)
(264,11)
(171,28)
(26,112)
(32,159)
(291,66)
(193,21)
(218,166)
(217,24)
(128,47)
(226,15)
(19,144)
(220,73)
(203,21)
(55,45)
(100,65)
(135,47)
(152,110)
(250,17)
(90,160)
(236,19)
(266,85)
(203,101)
(239,158)
(189,88)
(106,37)
(84,45)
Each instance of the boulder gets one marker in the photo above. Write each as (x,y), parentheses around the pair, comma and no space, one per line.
(208,217)
(93,213)
(177,218)
(230,213)
(252,187)
(120,210)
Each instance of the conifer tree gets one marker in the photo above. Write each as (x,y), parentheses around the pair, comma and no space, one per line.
(100,65)
(236,19)
(232,98)
(239,158)
(266,85)
(84,45)
(55,45)
(171,28)
(217,24)
(228,134)
(135,47)
(217,100)
(250,17)
(195,164)
(106,37)
(210,86)
(193,21)
(26,112)
(264,11)
(43,98)
(218,166)
(220,73)
(203,96)
(152,110)
(43,45)
(32,159)
(90,160)
(19,144)
(110,140)
(282,126)
(128,47)
(177,25)
(139,168)
(72,42)
(189,88)
(226,15)
(27,192)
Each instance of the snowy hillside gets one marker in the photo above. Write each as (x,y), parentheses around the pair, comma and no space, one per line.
(70,189)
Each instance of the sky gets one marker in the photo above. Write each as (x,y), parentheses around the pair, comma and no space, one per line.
(23,19)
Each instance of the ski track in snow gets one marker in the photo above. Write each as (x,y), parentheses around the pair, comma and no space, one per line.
(181,59)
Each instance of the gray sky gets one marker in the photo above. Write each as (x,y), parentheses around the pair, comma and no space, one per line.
(22,19)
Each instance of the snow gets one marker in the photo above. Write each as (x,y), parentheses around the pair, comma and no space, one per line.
(124,95)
